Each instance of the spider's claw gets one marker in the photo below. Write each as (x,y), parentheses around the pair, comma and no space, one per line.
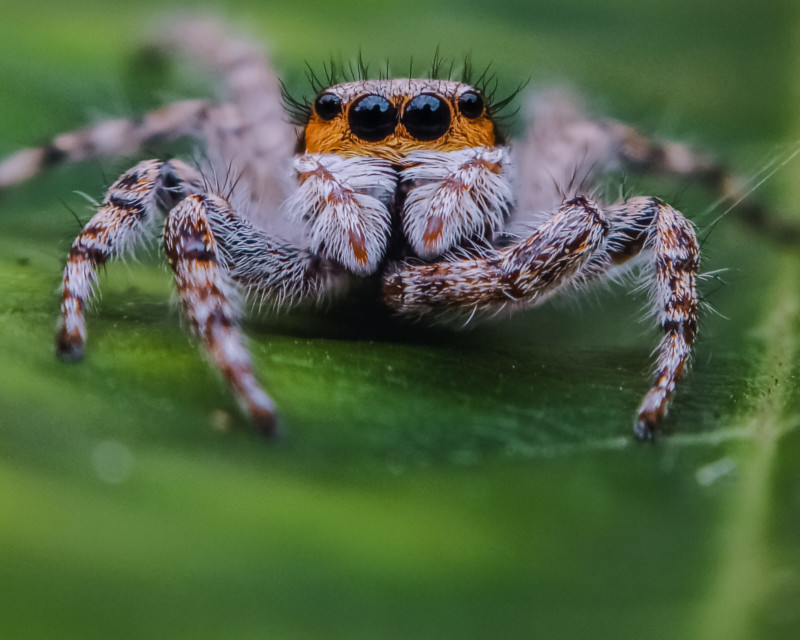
(69,347)
(646,427)
(266,424)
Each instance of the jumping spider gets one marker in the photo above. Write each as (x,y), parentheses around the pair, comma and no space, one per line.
(408,181)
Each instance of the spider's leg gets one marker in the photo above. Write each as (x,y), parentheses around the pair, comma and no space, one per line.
(267,141)
(121,137)
(129,210)
(564,148)
(271,269)
(650,225)
(553,256)
(675,159)
(209,248)
(577,243)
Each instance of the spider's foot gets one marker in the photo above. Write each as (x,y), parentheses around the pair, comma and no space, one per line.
(647,426)
(261,409)
(266,423)
(69,346)
(645,429)
(651,414)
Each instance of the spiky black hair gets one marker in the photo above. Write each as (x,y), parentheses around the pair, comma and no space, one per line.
(335,72)
(487,83)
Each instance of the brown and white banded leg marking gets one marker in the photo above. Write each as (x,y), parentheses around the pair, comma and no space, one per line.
(128,212)
(670,239)
(110,138)
(524,274)
(210,300)
(342,200)
(455,196)
(576,244)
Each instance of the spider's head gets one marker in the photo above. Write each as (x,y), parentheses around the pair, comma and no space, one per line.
(390,118)
(426,150)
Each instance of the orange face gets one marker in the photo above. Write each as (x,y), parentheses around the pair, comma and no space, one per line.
(390,118)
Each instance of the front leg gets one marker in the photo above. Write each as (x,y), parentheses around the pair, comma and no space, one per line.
(130,208)
(210,249)
(524,274)
(578,243)
(651,225)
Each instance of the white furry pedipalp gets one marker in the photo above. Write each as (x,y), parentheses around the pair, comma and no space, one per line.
(342,200)
(456,195)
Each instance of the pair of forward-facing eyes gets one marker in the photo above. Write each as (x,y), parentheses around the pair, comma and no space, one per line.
(373,117)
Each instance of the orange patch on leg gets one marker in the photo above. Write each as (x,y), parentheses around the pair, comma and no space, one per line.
(359,245)
(433,231)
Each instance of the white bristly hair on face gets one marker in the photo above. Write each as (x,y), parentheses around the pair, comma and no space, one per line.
(343,203)
(455,195)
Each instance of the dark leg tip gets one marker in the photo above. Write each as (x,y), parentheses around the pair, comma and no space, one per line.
(645,428)
(68,349)
(266,424)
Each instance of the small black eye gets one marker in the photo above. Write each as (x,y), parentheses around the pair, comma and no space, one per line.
(328,106)
(427,117)
(372,118)
(470,104)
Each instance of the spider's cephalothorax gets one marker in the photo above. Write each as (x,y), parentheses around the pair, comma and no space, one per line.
(421,152)
(402,180)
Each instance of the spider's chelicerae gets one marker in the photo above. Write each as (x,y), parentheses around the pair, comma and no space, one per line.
(408,181)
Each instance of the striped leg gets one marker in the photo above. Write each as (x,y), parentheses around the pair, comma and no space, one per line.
(675,159)
(110,138)
(564,147)
(129,210)
(209,248)
(649,224)
(525,274)
(576,244)
(275,272)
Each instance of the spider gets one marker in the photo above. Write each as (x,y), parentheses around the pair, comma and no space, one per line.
(407,181)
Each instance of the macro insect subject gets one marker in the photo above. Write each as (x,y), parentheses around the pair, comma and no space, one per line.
(409,181)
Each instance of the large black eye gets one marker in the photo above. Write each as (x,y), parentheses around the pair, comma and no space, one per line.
(328,106)
(427,117)
(372,118)
(470,104)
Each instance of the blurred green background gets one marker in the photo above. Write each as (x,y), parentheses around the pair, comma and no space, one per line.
(431,485)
